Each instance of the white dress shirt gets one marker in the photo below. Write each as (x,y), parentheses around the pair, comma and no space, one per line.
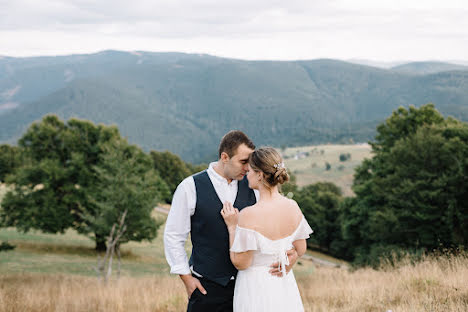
(182,208)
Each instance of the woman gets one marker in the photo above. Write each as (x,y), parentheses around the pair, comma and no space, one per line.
(261,234)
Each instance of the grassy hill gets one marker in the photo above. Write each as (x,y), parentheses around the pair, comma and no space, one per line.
(308,163)
(55,273)
(186,102)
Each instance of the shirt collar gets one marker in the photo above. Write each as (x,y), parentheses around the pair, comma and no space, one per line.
(216,176)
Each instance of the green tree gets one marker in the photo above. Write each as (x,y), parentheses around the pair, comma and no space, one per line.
(53,189)
(413,194)
(126,181)
(320,204)
(10,159)
(171,168)
(345,156)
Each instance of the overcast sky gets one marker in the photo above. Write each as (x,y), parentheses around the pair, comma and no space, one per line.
(380,30)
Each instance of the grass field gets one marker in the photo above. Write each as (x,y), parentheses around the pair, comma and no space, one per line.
(48,273)
(308,163)
(61,279)
(37,252)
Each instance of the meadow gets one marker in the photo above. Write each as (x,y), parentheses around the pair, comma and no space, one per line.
(309,163)
(56,273)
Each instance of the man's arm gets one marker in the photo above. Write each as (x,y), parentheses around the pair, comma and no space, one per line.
(292,256)
(176,233)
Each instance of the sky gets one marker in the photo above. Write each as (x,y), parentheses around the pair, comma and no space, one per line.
(379,30)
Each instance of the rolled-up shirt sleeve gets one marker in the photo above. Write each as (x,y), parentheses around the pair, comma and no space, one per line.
(178,226)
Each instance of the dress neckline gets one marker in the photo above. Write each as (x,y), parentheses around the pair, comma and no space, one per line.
(274,240)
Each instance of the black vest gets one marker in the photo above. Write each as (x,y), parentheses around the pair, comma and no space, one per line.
(209,234)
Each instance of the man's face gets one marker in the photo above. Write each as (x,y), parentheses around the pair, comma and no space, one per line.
(238,165)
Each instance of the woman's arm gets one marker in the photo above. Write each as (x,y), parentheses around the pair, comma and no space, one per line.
(241,260)
(300,246)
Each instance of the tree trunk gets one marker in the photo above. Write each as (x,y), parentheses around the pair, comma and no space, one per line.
(100,243)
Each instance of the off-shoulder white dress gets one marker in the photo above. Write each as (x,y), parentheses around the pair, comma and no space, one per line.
(256,289)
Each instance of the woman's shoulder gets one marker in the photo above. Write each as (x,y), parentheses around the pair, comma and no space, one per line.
(290,204)
(293,208)
(247,216)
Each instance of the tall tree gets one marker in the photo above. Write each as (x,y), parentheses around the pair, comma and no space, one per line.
(413,193)
(171,168)
(52,191)
(10,159)
(320,204)
(126,182)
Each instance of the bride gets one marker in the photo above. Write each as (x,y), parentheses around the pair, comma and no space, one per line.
(261,234)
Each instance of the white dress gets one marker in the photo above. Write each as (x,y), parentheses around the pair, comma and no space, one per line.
(256,289)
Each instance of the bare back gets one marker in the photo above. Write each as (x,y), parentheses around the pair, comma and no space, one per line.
(275,219)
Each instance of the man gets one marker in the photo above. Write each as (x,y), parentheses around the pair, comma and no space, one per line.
(209,276)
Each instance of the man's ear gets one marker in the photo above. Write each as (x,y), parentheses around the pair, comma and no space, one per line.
(224,157)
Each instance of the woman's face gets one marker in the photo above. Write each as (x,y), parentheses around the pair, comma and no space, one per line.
(253,177)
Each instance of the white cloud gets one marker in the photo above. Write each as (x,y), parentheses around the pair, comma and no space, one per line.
(263,29)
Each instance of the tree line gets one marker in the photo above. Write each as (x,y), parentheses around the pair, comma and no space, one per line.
(410,197)
(83,176)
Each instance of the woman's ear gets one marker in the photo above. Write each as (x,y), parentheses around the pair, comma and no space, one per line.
(260,176)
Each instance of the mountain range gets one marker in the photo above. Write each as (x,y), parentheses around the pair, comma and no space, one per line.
(185,102)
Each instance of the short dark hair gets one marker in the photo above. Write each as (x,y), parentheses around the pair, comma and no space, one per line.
(232,140)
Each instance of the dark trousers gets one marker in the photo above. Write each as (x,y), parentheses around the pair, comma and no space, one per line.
(218,298)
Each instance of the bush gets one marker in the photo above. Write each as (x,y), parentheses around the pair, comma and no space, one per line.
(345,156)
(5,246)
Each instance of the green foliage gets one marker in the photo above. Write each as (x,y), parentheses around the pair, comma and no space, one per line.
(320,204)
(41,198)
(5,246)
(172,170)
(10,159)
(185,103)
(196,168)
(126,181)
(55,187)
(345,156)
(413,194)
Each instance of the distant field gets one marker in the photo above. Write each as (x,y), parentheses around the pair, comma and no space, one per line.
(308,163)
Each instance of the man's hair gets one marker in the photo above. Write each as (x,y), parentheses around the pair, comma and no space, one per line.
(231,141)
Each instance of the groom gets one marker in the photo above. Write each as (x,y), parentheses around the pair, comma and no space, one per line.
(209,275)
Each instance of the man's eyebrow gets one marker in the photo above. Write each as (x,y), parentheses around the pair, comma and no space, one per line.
(246,159)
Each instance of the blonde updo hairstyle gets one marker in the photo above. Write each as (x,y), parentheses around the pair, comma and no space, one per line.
(266,160)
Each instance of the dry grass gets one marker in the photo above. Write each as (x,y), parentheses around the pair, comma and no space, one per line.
(44,293)
(435,284)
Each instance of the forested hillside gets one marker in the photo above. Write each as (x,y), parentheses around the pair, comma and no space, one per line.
(186,102)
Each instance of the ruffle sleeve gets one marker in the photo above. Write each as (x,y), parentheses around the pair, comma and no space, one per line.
(244,240)
(303,231)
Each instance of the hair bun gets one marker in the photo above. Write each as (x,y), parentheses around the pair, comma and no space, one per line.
(281,176)
(270,163)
